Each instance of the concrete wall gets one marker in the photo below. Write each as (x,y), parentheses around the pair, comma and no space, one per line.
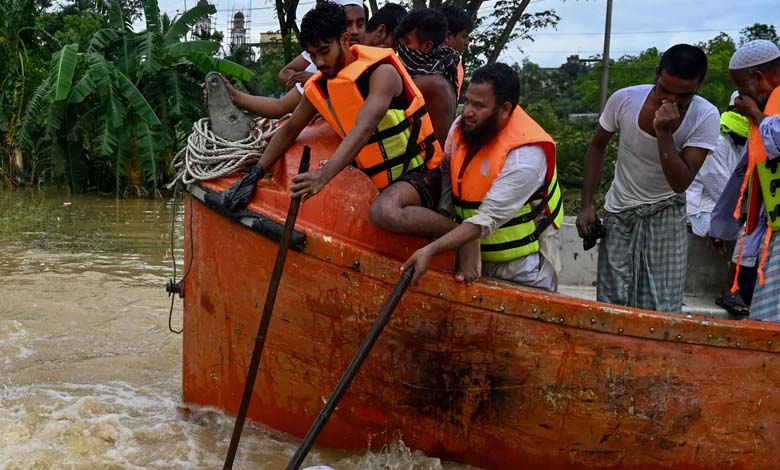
(707,272)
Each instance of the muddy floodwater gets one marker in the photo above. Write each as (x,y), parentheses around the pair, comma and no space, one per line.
(90,375)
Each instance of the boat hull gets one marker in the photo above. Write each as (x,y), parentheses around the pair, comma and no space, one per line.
(495,375)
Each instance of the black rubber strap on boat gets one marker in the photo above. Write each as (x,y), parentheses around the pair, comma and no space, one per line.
(259,224)
(273,231)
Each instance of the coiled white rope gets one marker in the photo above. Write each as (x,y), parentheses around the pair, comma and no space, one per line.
(207,156)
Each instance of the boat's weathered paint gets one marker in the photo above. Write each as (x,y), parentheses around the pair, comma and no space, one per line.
(493,375)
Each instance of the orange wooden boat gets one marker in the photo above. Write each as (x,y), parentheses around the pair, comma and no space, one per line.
(494,375)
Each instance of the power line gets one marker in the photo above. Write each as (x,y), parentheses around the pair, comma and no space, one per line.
(579,52)
(601,33)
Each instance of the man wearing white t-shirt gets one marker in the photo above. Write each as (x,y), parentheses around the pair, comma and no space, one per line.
(666,132)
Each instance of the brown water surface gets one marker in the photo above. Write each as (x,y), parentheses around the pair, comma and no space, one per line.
(90,376)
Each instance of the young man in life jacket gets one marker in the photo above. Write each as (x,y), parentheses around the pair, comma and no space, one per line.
(431,63)
(501,180)
(755,69)
(369,100)
(459,27)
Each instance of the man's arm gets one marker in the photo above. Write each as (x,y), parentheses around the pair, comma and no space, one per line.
(679,168)
(770,134)
(296,69)
(459,236)
(594,161)
(384,85)
(263,106)
(768,126)
(440,102)
(286,135)
(748,107)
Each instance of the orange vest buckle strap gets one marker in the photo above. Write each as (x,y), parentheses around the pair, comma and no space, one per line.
(425,148)
(404,139)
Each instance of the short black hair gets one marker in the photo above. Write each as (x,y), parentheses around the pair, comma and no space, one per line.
(430,24)
(322,24)
(504,80)
(684,61)
(457,19)
(389,15)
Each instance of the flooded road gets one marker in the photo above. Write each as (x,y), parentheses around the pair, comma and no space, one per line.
(90,376)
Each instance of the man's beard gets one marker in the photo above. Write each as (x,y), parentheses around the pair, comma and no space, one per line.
(481,133)
(331,72)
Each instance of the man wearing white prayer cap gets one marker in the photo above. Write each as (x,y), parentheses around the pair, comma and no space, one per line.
(755,69)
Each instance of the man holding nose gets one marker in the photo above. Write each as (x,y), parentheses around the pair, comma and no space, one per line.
(666,131)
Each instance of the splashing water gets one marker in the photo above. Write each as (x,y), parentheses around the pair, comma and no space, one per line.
(90,377)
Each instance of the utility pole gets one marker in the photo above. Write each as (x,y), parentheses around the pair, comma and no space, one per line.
(605,58)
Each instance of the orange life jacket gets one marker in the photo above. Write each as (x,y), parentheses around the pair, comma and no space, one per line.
(762,183)
(461,76)
(472,180)
(404,139)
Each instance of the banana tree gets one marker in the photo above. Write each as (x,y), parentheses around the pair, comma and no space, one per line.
(125,102)
(22,62)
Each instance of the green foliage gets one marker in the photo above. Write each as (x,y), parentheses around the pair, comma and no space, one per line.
(24,61)
(185,22)
(487,34)
(130,98)
(188,49)
(223,66)
(79,29)
(63,66)
(717,87)
(759,31)
(551,96)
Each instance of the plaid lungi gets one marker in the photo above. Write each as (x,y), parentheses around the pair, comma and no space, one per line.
(766,298)
(643,256)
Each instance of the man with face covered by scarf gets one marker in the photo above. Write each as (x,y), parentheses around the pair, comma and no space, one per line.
(499,180)
(431,63)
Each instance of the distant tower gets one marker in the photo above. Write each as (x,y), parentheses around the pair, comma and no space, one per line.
(202,28)
(238,31)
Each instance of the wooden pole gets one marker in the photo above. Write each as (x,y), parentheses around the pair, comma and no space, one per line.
(352,369)
(265,321)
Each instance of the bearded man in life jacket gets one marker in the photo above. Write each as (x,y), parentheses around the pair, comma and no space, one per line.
(499,180)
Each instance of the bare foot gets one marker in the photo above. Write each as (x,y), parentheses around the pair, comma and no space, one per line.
(469,263)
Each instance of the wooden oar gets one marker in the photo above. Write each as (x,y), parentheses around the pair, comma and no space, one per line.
(265,321)
(352,369)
